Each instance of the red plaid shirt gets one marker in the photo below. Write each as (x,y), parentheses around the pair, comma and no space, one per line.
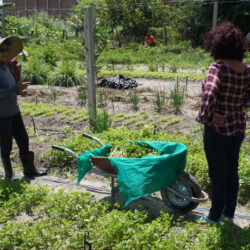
(226,92)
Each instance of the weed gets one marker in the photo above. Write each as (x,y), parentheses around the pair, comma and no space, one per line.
(177,96)
(82,96)
(53,95)
(153,67)
(159,99)
(102,121)
(173,68)
(102,98)
(134,99)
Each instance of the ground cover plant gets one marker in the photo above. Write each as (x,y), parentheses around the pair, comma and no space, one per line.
(59,220)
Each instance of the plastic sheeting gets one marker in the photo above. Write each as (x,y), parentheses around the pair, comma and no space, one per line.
(119,82)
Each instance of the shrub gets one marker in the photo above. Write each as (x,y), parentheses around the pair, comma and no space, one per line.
(35,71)
(65,75)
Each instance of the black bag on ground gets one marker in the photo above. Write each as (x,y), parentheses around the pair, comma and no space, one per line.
(119,82)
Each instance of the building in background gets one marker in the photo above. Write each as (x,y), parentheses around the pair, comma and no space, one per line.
(25,7)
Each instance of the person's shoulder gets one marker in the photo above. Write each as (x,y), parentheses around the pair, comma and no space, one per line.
(216,66)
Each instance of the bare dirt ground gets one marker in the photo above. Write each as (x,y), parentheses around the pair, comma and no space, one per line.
(42,140)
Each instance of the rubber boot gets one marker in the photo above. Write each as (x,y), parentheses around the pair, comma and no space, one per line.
(7,169)
(29,169)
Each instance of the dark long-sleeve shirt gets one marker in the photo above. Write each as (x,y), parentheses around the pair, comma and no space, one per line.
(225,92)
(8,92)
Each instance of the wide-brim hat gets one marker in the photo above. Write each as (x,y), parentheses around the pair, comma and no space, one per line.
(15,47)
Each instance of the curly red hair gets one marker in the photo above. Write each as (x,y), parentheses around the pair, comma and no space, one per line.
(226,42)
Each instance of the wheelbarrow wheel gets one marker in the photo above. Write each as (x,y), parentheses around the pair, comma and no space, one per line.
(188,186)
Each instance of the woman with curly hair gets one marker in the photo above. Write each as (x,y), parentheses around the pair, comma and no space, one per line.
(225,96)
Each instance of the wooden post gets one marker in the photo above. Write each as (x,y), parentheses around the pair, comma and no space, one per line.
(90,56)
(3,23)
(215,13)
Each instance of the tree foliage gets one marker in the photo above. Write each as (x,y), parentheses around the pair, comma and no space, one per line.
(186,20)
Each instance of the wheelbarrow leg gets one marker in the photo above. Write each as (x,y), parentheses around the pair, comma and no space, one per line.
(112,190)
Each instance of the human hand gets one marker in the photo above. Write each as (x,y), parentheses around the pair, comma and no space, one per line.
(218,120)
(23,88)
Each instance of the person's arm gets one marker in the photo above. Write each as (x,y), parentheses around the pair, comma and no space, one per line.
(6,92)
(209,95)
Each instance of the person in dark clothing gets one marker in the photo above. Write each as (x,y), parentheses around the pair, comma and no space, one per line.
(225,96)
(11,123)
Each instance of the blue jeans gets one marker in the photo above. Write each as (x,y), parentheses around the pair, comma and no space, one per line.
(222,154)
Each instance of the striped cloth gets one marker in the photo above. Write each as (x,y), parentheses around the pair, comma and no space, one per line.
(226,92)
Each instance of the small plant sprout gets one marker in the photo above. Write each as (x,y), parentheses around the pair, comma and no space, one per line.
(159,99)
(134,99)
(82,96)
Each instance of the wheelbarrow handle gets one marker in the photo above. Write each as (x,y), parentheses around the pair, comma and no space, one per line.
(65,150)
(58,148)
(93,138)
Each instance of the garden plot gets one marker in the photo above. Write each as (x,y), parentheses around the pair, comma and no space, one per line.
(64,118)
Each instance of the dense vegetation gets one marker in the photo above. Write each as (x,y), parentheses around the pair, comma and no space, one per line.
(40,218)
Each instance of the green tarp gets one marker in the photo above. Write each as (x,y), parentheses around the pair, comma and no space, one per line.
(138,177)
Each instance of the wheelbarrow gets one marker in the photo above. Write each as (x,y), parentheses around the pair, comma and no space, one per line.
(183,195)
